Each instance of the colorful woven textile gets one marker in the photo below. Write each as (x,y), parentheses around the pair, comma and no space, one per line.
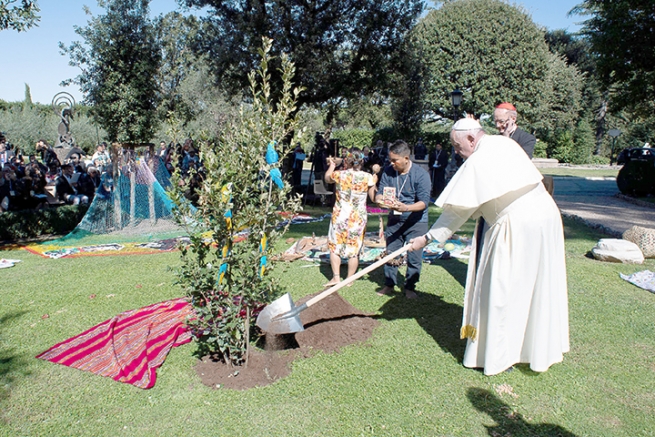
(128,347)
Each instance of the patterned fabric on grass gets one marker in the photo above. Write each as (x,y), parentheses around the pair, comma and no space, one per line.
(128,347)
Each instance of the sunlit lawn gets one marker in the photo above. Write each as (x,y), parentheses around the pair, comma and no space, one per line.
(407,380)
(581,171)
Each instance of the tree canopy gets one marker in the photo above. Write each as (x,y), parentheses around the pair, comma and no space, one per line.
(19,16)
(119,59)
(341,48)
(622,35)
(176,35)
(490,50)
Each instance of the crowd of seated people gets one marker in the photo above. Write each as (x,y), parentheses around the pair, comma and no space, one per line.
(47,181)
(50,179)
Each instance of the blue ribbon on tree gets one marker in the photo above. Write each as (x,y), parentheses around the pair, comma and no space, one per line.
(272,158)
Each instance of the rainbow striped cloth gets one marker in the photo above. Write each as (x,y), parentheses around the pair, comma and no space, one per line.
(128,347)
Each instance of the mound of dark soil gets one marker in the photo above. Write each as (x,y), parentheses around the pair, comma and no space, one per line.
(329,325)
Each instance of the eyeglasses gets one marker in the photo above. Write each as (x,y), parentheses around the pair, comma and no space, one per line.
(501,121)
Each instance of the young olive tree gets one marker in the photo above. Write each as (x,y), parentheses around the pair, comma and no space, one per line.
(242,209)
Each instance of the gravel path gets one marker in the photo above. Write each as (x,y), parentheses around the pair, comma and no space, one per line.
(598,202)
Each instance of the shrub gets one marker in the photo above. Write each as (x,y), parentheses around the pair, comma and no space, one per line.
(599,160)
(227,281)
(358,138)
(540,149)
(17,225)
(584,143)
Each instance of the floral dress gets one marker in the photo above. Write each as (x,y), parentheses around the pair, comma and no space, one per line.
(346,235)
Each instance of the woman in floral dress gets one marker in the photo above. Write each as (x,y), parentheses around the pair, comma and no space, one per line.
(348,225)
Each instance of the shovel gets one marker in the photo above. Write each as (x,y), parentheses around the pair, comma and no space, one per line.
(281,315)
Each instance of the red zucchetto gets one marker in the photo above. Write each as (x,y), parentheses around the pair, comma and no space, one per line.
(506,105)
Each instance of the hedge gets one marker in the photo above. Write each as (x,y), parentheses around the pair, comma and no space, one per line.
(17,225)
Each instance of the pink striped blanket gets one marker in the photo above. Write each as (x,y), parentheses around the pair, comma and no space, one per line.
(128,347)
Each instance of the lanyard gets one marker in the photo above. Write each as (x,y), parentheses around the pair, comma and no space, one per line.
(403,185)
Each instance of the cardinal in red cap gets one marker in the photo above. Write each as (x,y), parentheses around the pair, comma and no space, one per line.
(506,105)
(505,118)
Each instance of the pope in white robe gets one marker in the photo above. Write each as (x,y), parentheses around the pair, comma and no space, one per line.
(516,303)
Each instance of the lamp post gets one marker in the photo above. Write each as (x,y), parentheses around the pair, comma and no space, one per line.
(456,99)
(451,168)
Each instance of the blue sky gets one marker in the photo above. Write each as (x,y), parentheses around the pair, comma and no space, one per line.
(33,57)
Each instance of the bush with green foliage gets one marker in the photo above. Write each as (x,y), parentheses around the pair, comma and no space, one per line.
(584,141)
(540,149)
(18,225)
(358,138)
(228,281)
(599,160)
(572,147)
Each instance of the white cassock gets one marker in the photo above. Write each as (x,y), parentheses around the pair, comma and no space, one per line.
(516,304)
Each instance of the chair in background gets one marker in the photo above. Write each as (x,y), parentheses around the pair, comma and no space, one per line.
(321,191)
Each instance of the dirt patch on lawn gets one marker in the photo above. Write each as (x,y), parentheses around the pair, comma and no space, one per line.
(329,325)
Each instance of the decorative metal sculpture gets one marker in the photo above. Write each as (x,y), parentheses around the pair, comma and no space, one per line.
(63,104)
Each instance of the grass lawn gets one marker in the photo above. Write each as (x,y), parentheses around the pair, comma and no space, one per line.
(581,171)
(408,379)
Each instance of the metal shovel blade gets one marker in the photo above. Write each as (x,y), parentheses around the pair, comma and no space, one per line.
(279,317)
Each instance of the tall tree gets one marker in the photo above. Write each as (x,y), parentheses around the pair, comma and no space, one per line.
(19,16)
(622,35)
(577,51)
(176,35)
(27,102)
(341,48)
(562,100)
(119,60)
(490,50)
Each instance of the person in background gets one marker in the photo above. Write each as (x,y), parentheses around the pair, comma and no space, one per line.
(319,157)
(6,154)
(67,188)
(420,151)
(77,163)
(48,154)
(54,171)
(515,303)
(404,189)
(349,217)
(5,189)
(298,162)
(19,165)
(505,116)
(35,162)
(14,192)
(75,150)
(101,159)
(163,149)
(89,182)
(438,161)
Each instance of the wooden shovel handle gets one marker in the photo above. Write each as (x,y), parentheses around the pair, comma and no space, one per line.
(357,275)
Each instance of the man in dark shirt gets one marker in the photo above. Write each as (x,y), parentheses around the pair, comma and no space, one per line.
(505,118)
(405,189)
(420,150)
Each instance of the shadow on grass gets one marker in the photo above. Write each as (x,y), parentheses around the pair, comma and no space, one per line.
(12,365)
(508,421)
(440,319)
